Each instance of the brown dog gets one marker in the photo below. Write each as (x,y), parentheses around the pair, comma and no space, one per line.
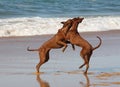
(74,37)
(57,41)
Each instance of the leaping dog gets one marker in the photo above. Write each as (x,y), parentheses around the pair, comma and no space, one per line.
(57,41)
(74,37)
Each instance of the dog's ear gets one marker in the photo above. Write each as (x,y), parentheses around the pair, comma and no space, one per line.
(63,22)
(82,18)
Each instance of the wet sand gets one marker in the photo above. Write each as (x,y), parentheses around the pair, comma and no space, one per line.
(17,66)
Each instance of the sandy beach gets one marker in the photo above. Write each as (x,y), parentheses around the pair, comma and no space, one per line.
(17,65)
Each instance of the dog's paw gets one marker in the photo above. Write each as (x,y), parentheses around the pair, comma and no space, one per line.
(63,50)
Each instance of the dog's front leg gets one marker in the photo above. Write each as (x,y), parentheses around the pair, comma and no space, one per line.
(73,46)
(62,43)
(68,42)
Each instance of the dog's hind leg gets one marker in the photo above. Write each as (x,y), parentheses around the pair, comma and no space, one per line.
(87,59)
(82,64)
(42,57)
(47,56)
(87,64)
(83,57)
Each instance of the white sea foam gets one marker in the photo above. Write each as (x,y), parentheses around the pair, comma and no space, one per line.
(38,26)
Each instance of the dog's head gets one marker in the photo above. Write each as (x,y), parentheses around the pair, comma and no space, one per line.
(67,23)
(78,19)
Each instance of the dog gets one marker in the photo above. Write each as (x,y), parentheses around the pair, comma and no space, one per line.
(57,41)
(74,37)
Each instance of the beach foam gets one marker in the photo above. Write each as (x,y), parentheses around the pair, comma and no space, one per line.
(28,26)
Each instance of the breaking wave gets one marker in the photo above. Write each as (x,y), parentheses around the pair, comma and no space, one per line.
(28,26)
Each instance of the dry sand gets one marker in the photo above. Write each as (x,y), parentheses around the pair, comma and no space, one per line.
(17,66)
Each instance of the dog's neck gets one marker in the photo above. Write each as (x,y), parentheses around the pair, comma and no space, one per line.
(74,26)
(66,29)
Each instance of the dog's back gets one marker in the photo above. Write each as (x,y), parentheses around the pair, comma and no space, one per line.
(52,43)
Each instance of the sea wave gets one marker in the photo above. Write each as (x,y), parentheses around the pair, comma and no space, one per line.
(28,26)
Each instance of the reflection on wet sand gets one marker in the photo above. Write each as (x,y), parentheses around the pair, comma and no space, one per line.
(101,80)
(41,82)
(87,84)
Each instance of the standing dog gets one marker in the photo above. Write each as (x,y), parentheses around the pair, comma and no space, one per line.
(57,41)
(74,37)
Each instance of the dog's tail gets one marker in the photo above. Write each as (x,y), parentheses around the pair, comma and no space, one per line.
(98,44)
(28,49)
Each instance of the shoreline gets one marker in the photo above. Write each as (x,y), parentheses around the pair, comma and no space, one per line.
(109,32)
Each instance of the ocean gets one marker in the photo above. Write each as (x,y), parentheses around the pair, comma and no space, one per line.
(40,17)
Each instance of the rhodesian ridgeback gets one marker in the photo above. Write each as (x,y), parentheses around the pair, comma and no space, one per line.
(74,37)
(57,41)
